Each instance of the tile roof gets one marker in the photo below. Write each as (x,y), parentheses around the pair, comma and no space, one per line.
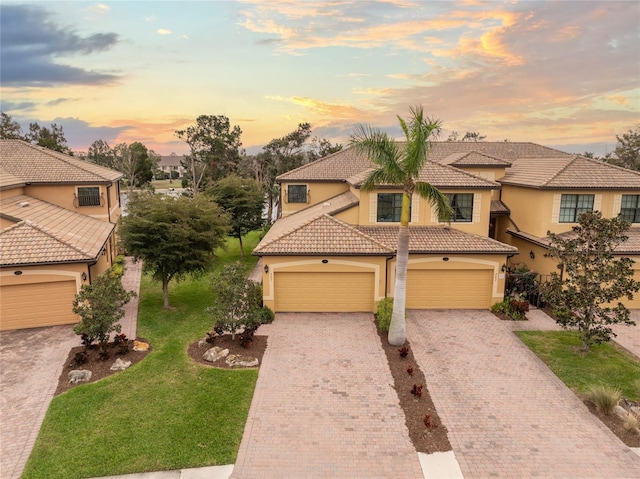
(7,180)
(631,246)
(473,158)
(498,208)
(570,172)
(438,239)
(504,150)
(34,164)
(46,233)
(323,235)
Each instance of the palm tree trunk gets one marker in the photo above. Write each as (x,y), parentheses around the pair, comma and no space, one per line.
(398,327)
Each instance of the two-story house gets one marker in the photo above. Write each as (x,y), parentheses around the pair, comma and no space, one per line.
(334,247)
(58,218)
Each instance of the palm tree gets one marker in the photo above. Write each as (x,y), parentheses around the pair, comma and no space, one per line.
(398,164)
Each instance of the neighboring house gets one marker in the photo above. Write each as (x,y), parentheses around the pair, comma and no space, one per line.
(334,247)
(171,163)
(58,217)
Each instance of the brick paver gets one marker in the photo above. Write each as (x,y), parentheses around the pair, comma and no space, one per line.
(324,405)
(507,413)
(629,336)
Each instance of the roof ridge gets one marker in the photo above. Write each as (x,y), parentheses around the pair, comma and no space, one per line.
(356,230)
(557,173)
(606,164)
(53,236)
(458,170)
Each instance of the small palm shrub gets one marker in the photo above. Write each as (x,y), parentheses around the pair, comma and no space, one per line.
(604,397)
(384,313)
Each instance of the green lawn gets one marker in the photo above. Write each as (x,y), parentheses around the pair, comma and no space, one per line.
(604,364)
(165,412)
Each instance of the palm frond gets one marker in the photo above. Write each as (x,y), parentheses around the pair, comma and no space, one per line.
(437,199)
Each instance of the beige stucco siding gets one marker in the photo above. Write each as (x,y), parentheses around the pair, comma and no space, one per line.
(65,196)
(336,265)
(317,192)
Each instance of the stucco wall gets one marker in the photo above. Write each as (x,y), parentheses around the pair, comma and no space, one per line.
(317,192)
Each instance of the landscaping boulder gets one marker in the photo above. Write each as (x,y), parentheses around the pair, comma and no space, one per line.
(237,360)
(215,353)
(140,346)
(120,365)
(79,376)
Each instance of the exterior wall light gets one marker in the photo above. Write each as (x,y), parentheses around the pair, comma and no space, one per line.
(266,268)
(84,276)
(532,255)
(504,268)
(446,258)
(17,273)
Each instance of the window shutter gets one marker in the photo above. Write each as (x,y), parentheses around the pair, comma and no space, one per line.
(415,212)
(555,213)
(477,207)
(597,203)
(373,207)
(617,205)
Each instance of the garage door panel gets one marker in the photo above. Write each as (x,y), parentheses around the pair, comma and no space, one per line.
(452,289)
(37,304)
(324,292)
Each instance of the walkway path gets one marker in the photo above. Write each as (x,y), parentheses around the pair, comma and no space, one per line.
(507,413)
(324,405)
(31,362)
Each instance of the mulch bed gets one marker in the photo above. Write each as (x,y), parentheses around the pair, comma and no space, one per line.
(256,349)
(615,424)
(99,368)
(425,439)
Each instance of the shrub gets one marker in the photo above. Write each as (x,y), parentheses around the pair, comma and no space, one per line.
(630,422)
(604,397)
(384,313)
(403,351)
(80,358)
(265,315)
(512,307)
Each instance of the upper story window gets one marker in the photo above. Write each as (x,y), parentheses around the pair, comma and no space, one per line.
(390,208)
(297,193)
(630,208)
(572,206)
(462,205)
(89,196)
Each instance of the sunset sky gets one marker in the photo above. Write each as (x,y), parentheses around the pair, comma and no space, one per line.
(562,73)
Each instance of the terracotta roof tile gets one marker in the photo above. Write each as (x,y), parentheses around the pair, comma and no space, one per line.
(49,223)
(34,164)
(473,158)
(7,180)
(570,172)
(498,207)
(629,247)
(437,239)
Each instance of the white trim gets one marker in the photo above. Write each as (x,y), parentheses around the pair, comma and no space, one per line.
(459,259)
(617,205)
(555,212)
(373,208)
(597,202)
(40,272)
(273,267)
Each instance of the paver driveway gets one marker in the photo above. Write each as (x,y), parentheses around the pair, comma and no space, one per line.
(31,362)
(507,414)
(324,406)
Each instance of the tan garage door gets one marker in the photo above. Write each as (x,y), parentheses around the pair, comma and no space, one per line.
(635,302)
(35,305)
(324,292)
(453,289)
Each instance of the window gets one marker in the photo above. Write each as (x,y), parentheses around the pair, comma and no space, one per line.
(390,208)
(462,205)
(630,208)
(89,196)
(297,193)
(572,206)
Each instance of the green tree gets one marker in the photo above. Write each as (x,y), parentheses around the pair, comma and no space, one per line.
(592,278)
(401,164)
(9,128)
(101,154)
(238,300)
(242,199)
(473,136)
(100,305)
(135,163)
(52,138)
(627,152)
(173,236)
(215,149)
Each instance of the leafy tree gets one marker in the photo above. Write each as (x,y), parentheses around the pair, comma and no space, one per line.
(135,163)
(101,154)
(215,149)
(52,138)
(9,128)
(468,136)
(592,279)
(321,147)
(238,300)
(173,236)
(100,305)
(401,165)
(627,152)
(242,199)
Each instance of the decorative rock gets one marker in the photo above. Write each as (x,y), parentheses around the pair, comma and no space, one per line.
(79,376)
(237,360)
(120,365)
(620,412)
(215,353)
(140,346)
(202,342)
